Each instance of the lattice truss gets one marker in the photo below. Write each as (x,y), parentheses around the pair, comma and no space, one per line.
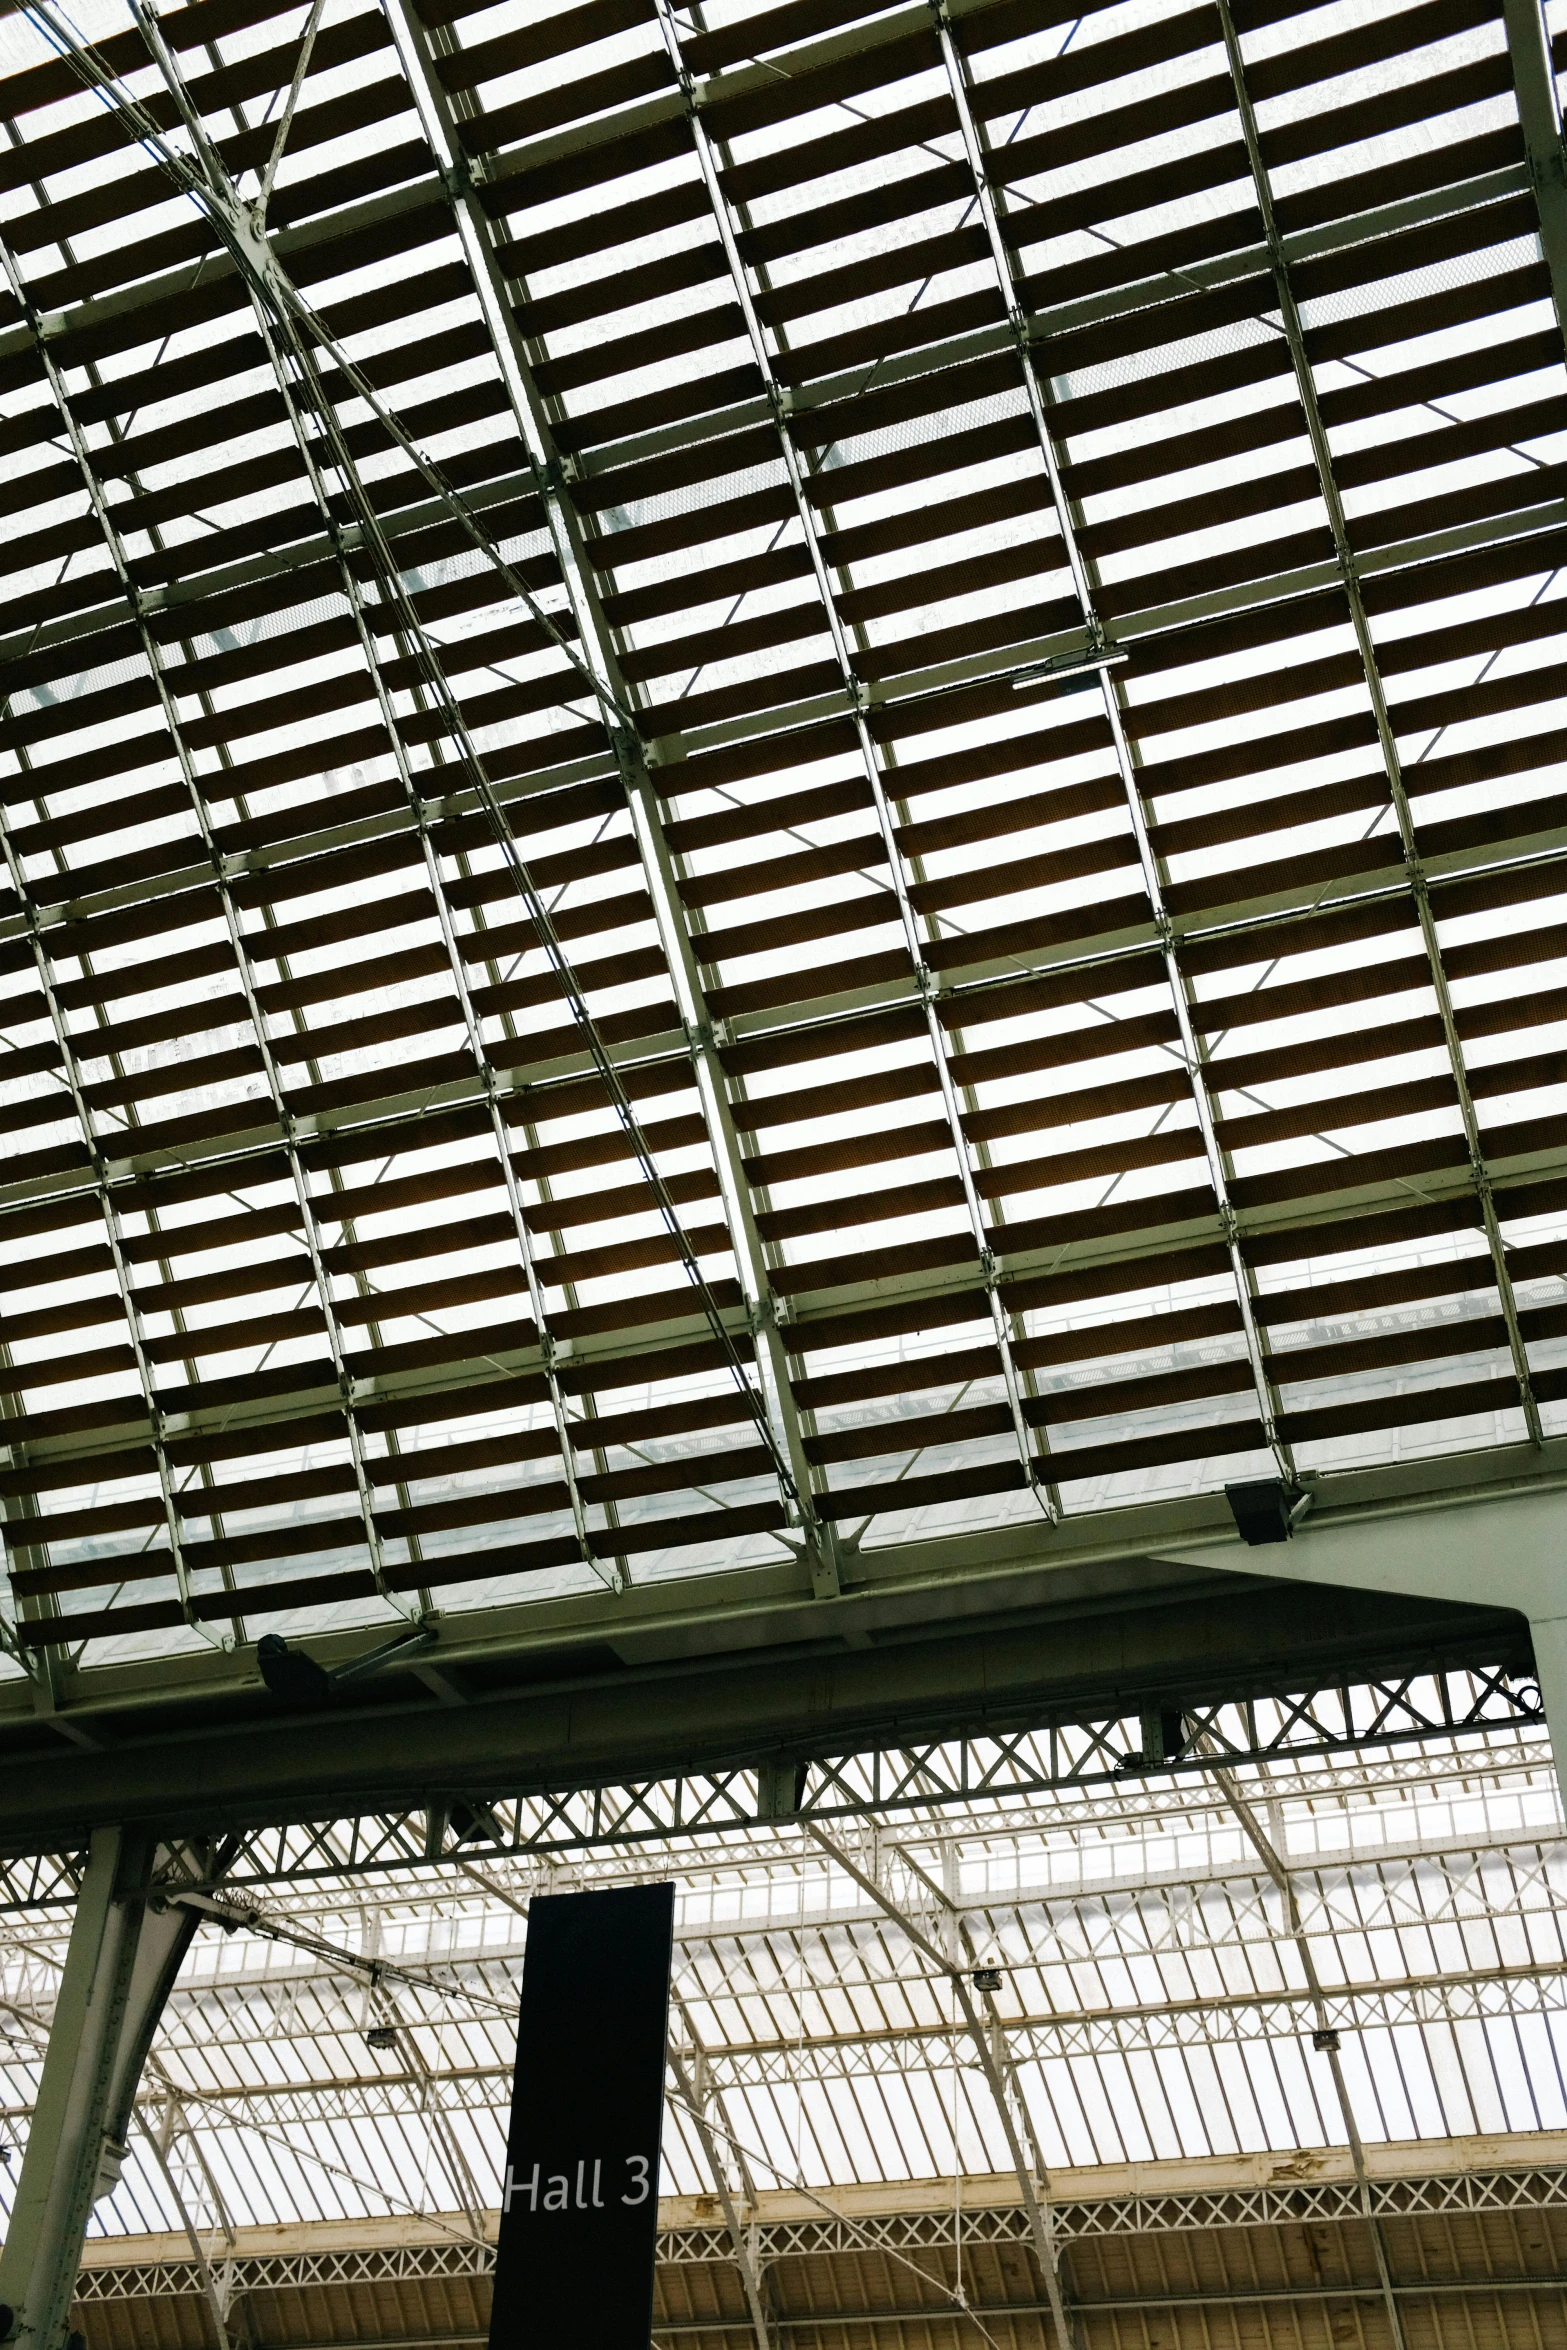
(973,2224)
(1152,2001)
(566,1016)
(878,1783)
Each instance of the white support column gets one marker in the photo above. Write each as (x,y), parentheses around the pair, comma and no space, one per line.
(122,1961)
(1506,1550)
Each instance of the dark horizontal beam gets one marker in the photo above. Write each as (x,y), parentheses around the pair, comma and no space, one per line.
(948,2314)
(1146,1638)
(670,2330)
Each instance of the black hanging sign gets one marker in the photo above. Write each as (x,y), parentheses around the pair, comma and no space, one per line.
(579,2204)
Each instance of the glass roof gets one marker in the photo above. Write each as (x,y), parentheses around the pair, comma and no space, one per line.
(1152,1998)
(569,1016)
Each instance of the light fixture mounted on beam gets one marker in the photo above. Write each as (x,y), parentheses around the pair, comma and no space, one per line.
(1266,1510)
(298,1681)
(1073,672)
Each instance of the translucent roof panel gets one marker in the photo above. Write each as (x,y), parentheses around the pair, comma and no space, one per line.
(766,770)
(1153,2000)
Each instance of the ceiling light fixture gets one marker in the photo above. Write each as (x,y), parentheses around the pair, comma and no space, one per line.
(299,1682)
(1266,1509)
(1073,672)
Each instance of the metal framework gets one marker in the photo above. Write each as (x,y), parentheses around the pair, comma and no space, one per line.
(1323,2203)
(1090,1759)
(818,2018)
(401,498)
(601,1048)
(1111,1989)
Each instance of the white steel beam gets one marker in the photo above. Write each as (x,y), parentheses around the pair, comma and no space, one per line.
(418,52)
(1387,738)
(1445,2179)
(1540,117)
(1016,2123)
(695,2088)
(1325,2037)
(1190,1049)
(856,703)
(906,2053)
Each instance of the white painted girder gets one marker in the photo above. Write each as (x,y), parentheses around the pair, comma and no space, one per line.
(1446,2179)
(914,2051)
(1442,1885)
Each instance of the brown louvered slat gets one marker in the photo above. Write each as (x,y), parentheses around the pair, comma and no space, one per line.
(956,1368)
(1326,1423)
(1153,1393)
(99,133)
(913,1493)
(773,28)
(555,36)
(1126,1337)
(918,1433)
(777,863)
(166,249)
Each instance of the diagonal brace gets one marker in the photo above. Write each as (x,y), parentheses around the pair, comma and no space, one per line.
(983,2028)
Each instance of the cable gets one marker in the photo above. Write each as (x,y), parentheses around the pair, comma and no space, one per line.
(240,231)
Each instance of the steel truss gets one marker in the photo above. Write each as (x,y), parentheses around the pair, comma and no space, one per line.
(1510,1880)
(777,1421)
(1006,1770)
(1454,1999)
(1317,2203)
(999,1767)
(914,2051)
(715,1965)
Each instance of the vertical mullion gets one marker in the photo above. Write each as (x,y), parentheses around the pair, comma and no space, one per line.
(596,639)
(926,979)
(1189,1047)
(418,808)
(1322,454)
(44,968)
(1539,115)
(152,653)
(762,1312)
(291,357)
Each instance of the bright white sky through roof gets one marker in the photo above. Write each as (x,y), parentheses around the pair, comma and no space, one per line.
(1291,1244)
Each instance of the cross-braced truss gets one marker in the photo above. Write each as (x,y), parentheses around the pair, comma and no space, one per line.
(875,1783)
(1152,2002)
(585,996)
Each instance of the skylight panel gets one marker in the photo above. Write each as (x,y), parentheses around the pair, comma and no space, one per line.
(777,474)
